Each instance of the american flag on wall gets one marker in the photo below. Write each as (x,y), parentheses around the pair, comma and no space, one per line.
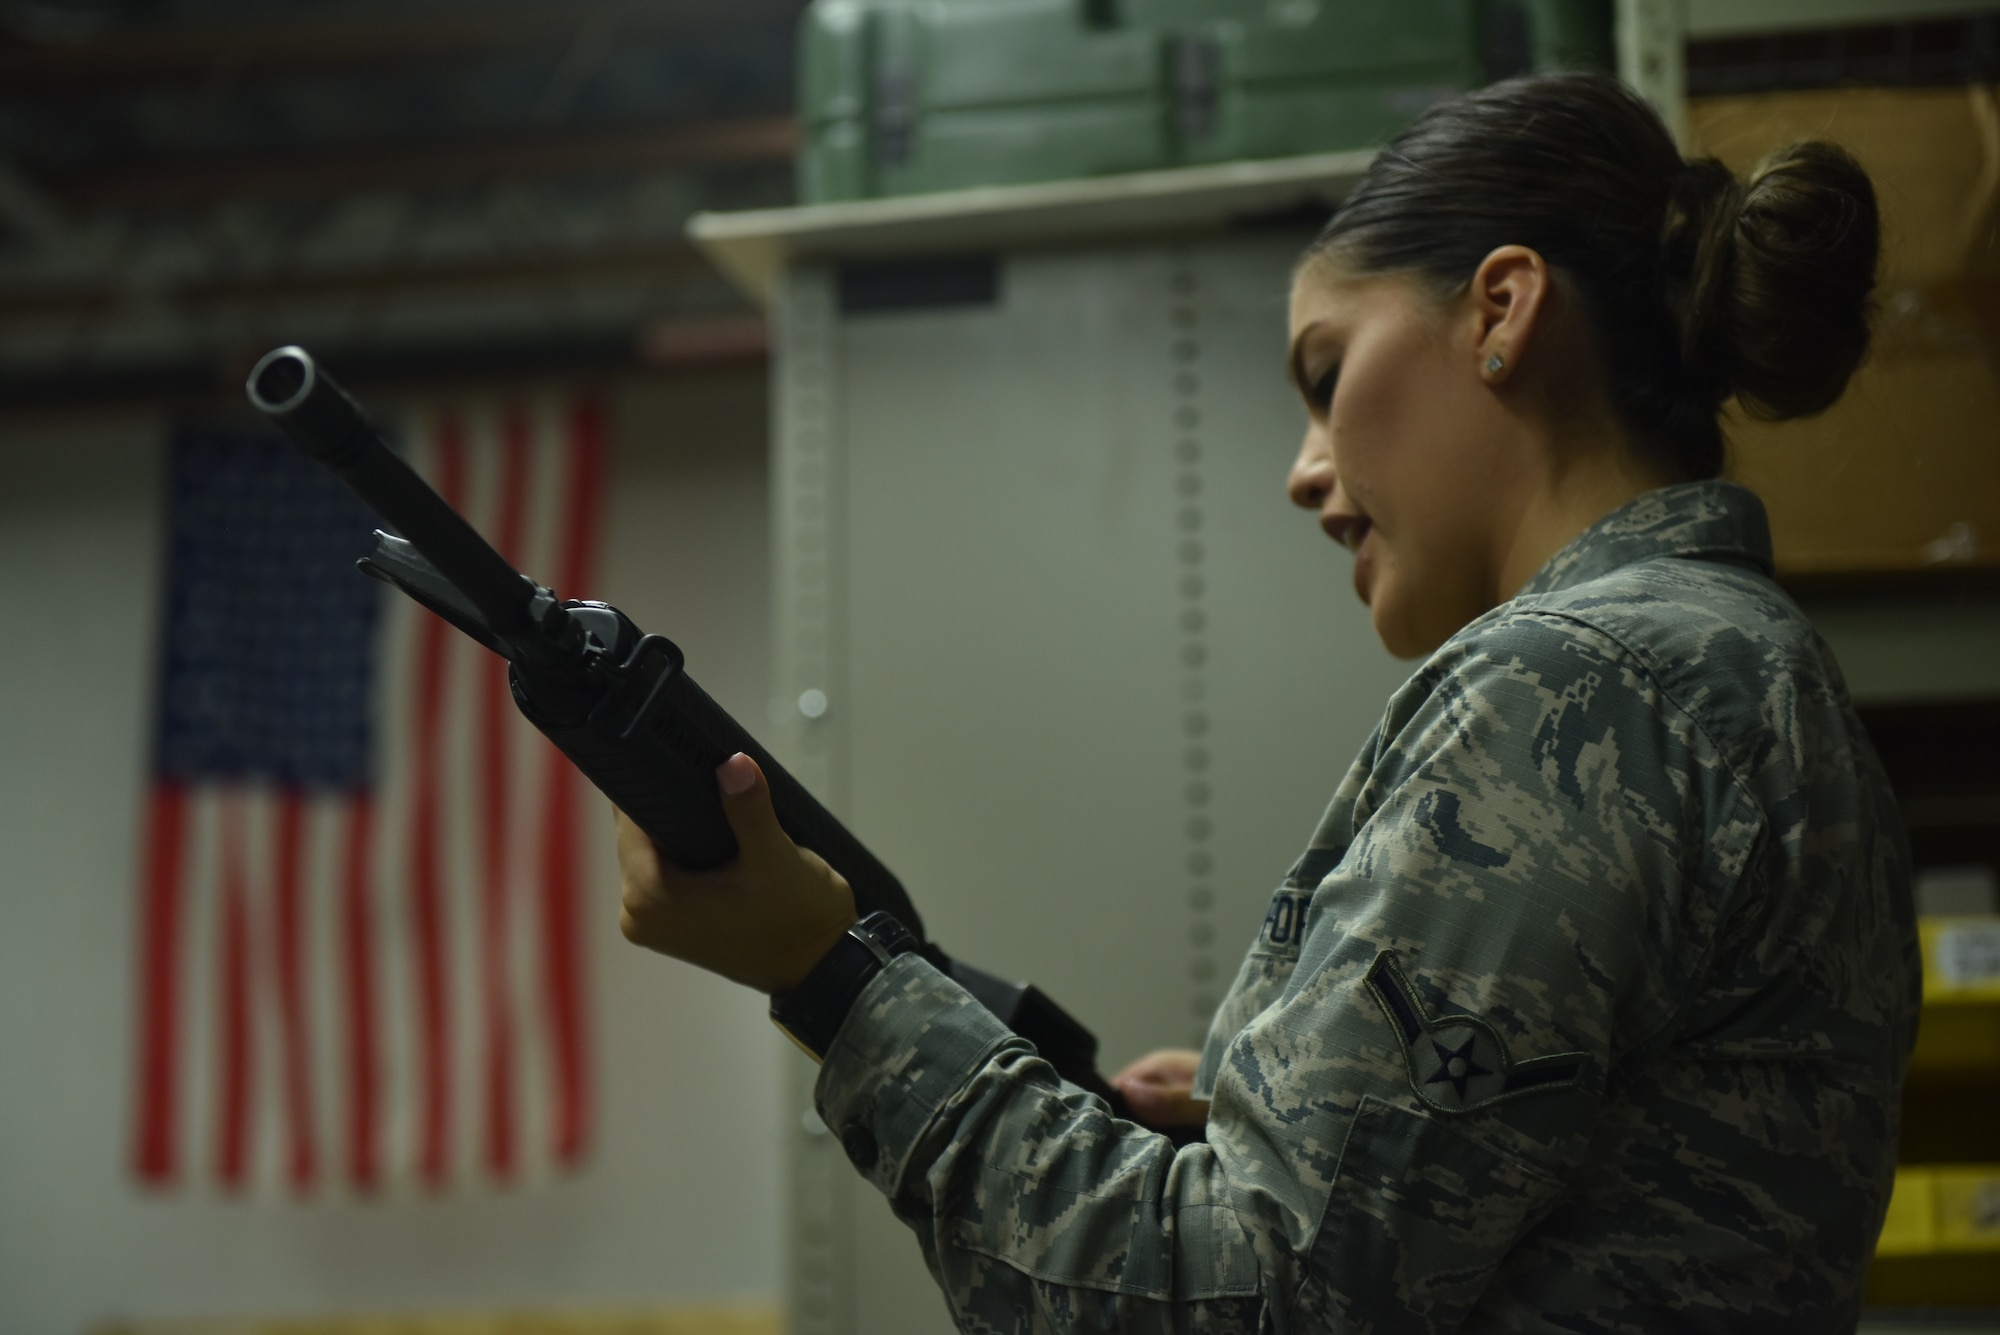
(361,908)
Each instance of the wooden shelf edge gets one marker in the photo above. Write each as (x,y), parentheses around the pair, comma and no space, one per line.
(754,248)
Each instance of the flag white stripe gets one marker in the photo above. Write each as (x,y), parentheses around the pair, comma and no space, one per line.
(265,1124)
(324,960)
(551,482)
(391,977)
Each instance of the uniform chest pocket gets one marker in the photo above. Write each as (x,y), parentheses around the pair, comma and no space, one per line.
(1419,1217)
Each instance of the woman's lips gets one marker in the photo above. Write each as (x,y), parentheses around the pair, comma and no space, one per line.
(1346,529)
(1352,531)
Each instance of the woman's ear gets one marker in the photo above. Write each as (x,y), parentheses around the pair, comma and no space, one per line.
(1509,292)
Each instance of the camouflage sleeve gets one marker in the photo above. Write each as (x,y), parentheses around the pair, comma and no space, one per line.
(1524,887)
(1036,1209)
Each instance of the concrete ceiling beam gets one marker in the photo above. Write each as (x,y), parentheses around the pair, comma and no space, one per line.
(29,210)
(668,261)
(181,52)
(752,140)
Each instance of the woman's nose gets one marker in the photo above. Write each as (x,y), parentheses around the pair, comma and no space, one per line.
(1312,478)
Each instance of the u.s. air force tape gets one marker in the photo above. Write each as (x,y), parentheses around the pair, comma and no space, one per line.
(1459,1063)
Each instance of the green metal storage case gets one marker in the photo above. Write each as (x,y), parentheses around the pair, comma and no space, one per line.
(910,96)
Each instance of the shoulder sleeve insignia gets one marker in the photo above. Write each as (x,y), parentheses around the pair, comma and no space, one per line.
(1459,1063)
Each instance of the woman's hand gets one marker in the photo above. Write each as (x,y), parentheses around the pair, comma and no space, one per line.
(1160,1089)
(763,920)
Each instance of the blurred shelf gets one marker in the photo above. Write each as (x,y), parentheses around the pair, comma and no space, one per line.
(1938,1282)
(1940,1243)
(1961,959)
(754,248)
(1928,1320)
(1960,1027)
(1942,1208)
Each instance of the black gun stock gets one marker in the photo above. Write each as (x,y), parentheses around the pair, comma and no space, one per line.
(618,702)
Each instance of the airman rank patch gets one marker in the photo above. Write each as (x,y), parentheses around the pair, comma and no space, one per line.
(1458,1063)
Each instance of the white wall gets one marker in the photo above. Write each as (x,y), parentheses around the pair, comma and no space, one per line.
(681,1201)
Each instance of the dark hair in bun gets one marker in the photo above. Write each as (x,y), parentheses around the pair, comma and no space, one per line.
(1700,286)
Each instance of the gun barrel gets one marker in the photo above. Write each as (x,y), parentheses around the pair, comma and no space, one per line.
(290,388)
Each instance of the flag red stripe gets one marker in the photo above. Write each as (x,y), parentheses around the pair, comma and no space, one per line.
(232,1159)
(357,915)
(562,945)
(495,724)
(302,1149)
(427,886)
(562,934)
(577,566)
(161,906)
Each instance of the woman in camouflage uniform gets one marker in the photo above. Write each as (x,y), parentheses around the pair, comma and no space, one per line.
(1588,1005)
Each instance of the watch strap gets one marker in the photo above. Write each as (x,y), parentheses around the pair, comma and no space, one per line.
(812,1013)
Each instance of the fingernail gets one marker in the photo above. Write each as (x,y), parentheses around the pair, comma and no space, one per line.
(736,775)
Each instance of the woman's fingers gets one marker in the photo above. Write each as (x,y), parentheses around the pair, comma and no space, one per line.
(639,874)
(746,803)
(1159,1088)
(1163,1106)
(765,918)
(1164,1066)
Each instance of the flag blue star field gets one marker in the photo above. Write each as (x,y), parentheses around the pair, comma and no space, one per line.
(360,951)
(267,654)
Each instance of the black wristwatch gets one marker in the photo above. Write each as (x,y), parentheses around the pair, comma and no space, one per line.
(810,1014)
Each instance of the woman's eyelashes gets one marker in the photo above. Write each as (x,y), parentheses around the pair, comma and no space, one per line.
(1319,390)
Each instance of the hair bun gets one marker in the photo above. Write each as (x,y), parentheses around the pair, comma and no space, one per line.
(1769,278)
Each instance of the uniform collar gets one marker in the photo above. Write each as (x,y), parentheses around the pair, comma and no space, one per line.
(1701,521)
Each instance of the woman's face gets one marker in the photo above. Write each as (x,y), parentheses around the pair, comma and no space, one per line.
(1405,458)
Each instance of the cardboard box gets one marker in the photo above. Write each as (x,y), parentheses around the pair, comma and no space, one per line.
(1902,476)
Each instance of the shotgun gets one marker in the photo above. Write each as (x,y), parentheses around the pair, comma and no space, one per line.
(618,702)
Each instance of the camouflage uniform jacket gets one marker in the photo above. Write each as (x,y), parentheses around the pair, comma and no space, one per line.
(1587,1008)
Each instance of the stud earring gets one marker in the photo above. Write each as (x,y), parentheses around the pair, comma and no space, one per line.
(1493,364)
